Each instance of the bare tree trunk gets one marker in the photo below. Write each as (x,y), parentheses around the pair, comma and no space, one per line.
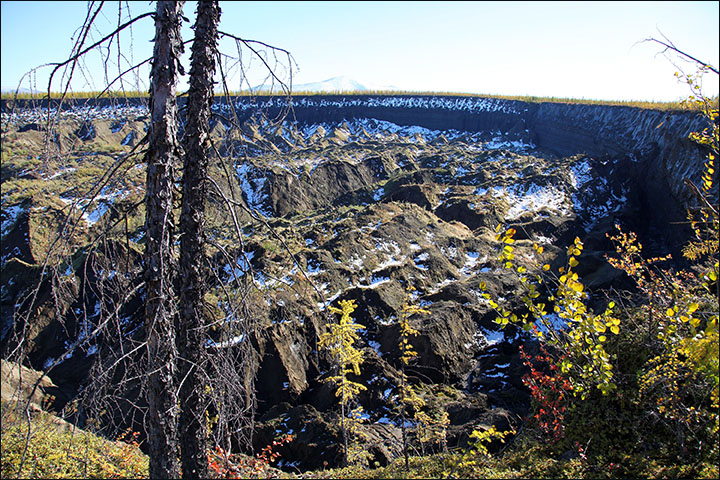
(164,151)
(191,327)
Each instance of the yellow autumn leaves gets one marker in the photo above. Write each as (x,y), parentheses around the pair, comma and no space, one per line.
(580,334)
(339,342)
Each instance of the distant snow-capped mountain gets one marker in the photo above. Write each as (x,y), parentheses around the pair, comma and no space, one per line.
(12,90)
(335,84)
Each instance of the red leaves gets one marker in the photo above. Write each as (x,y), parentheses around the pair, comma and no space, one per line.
(226,465)
(548,390)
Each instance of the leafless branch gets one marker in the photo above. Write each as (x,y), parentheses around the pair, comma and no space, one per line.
(670,46)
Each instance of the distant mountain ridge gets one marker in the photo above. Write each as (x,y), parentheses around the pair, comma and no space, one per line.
(5,89)
(335,84)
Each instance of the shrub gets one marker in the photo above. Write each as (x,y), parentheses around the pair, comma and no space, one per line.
(72,453)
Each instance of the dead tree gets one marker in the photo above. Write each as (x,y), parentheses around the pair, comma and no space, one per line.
(160,269)
(191,332)
(165,365)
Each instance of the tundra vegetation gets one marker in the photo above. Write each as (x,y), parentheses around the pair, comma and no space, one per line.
(623,383)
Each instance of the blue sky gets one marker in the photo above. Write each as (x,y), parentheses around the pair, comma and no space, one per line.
(586,50)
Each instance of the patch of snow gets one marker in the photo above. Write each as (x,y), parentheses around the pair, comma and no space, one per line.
(493,337)
(103,201)
(470,262)
(242,265)
(371,227)
(313,268)
(227,343)
(60,172)
(10,216)
(542,240)
(421,258)
(502,143)
(461,171)
(376,347)
(580,174)
(356,263)
(441,285)
(329,300)
(252,182)
(376,281)
(378,194)
(450,251)
(530,198)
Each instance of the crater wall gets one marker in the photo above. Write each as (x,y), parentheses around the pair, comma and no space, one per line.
(657,141)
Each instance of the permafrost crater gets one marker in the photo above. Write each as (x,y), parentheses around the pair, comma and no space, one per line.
(371,194)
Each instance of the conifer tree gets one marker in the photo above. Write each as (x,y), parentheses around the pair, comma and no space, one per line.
(409,399)
(339,341)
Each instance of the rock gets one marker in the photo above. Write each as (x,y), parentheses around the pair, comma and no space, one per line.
(316,442)
(421,195)
(21,385)
(383,443)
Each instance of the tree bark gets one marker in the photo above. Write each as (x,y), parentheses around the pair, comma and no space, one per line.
(164,151)
(191,324)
